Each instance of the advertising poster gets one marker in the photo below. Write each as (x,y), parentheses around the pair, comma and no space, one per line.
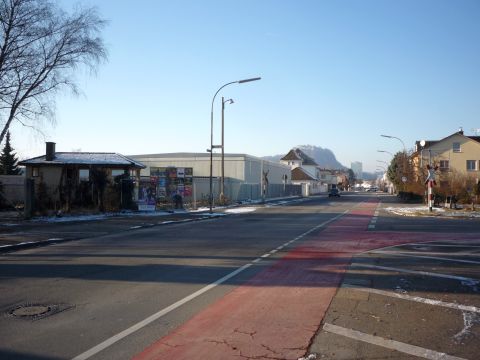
(163,184)
(146,195)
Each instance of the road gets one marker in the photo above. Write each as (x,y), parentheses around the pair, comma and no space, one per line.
(246,285)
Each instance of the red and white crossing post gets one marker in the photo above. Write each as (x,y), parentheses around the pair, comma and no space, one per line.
(430,181)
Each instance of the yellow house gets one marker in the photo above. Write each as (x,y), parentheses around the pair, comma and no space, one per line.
(456,155)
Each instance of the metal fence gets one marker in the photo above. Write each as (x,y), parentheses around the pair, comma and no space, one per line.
(236,190)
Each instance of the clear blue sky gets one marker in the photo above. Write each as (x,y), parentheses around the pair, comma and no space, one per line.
(335,74)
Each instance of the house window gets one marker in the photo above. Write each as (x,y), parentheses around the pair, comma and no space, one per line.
(35,172)
(117,172)
(456,147)
(84,174)
(471,165)
(444,165)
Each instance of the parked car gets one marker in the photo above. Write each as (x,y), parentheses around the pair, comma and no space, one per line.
(334,192)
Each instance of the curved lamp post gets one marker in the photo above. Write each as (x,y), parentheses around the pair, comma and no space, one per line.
(394,137)
(210,198)
(222,183)
(404,178)
(385,151)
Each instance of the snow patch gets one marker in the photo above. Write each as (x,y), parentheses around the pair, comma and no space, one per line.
(241,210)
(424,211)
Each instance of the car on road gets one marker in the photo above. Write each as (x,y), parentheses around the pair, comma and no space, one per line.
(334,192)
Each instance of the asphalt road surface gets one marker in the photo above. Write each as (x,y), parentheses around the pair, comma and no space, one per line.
(252,285)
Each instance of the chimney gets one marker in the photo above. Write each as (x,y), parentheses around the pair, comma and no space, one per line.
(460,130)
(50,151)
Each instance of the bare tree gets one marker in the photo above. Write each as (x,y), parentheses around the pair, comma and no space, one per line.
(41,46)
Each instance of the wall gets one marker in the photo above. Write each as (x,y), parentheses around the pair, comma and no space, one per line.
(13,189)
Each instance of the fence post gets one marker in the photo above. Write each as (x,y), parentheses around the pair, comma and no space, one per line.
(29,198)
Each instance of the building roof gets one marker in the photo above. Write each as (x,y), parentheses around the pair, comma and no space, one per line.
(85,158)
(429,143)
(297,154)
(298,174)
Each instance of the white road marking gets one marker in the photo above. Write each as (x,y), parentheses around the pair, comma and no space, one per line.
(415,272)
(389,344)
(425,257)
(443,245)
(109,342)
(429,253)
(414,298)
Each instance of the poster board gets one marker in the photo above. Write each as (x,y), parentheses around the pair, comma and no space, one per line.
(163,183)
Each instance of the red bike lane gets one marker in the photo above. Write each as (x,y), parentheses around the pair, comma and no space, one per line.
(276,314)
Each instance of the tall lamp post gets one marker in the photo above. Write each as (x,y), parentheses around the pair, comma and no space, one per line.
(394,137)
(404,178)
(210,198)
(222,183)
(385,151)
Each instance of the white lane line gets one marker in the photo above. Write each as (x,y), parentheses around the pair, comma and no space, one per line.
(415,272)
(107,343)
(389,344)
(442,245)
(418,299)
(425,257)
(426,253)
(127,332)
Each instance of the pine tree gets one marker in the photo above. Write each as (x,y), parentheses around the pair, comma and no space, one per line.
(8,160)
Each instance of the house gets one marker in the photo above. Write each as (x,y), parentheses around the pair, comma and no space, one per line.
(455,155)
(305,171)
(297,158)
(62,180)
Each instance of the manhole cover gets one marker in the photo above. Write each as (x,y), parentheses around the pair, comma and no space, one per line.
(31,310)
(36,311)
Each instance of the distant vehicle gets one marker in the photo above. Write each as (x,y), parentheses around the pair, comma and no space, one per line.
(334,192)
(372,189)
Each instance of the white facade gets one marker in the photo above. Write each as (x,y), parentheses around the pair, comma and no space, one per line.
(245,168)
(243,175)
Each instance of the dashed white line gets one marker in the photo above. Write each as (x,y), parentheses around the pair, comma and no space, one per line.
(443,245)
(389,344)
(415,272)
(414,298)
(109,342)
(425,257)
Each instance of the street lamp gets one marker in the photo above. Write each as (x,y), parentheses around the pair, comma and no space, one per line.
(394,137)
(404,178)
(210,198)
(222,183)
(385,151)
